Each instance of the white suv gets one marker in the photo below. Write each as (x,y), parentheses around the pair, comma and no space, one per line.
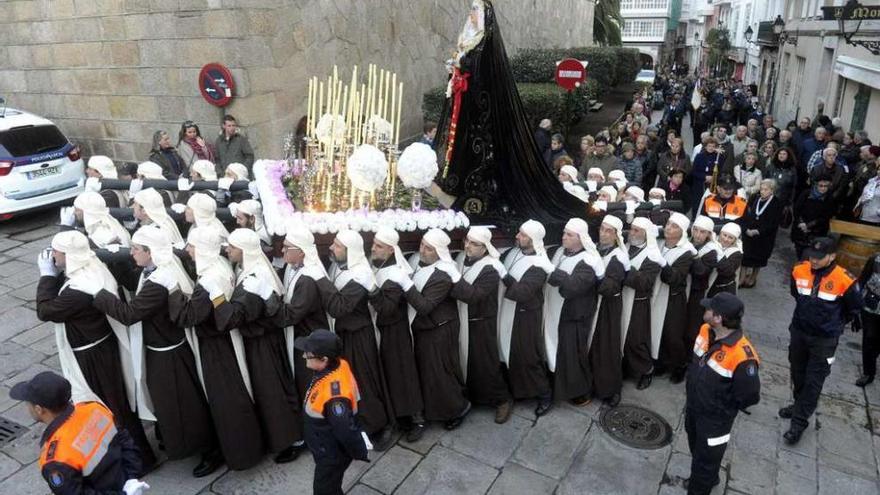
(38,165)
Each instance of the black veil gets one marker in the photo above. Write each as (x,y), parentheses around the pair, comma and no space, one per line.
(497,172)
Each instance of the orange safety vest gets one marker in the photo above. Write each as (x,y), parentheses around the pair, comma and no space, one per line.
(732,210)
(833,286)
(83,440)
(725,359)
(338,383)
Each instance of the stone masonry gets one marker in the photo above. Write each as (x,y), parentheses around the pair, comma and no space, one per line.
(111,72)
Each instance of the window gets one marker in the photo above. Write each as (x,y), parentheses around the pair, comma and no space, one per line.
(31,140)
(643,4)
(644,29)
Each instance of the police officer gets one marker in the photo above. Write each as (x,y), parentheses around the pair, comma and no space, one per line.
(332,431)
(827,298)
(82,451)
(722,379)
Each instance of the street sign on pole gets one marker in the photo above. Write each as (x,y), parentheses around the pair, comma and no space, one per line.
(216,84)
(570,73)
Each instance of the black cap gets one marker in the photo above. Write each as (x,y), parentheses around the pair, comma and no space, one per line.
(322,343)
(725,304)
(46,389)
(820,247)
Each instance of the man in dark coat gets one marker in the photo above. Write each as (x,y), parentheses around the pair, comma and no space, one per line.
(233,147)
(433,316)
(672,298)
(477,295)
(346,301)
(267,346)
(568,313)
(396,343)
(639,288)
(179,402)
(521,314)
(221,353)
(95,341)
(605,359)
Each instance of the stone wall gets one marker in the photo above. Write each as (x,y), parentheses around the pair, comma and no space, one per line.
(110,72)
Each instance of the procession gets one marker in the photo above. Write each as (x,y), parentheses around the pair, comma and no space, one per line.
(219,309)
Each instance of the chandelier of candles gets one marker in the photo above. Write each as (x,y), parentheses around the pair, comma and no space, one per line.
(352,140)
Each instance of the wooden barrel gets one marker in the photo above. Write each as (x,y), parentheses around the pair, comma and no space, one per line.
(853,252)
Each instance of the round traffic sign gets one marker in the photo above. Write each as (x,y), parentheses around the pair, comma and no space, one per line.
(216,84)
(570,73)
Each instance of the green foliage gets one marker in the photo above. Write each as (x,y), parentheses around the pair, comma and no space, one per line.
(719,44)
(432,103)
(607,23)
(628,65)
(538,65)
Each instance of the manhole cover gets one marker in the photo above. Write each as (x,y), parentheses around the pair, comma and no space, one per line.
(636,427)
(9,431)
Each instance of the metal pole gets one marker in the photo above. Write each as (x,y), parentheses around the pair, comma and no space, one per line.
(775,80)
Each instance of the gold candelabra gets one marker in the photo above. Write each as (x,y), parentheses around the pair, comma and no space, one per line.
(340,118)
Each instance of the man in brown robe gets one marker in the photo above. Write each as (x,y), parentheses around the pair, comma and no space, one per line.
(433,317)
(346,301)
(477,295)
(672,298)
(88,334)
(699,280)
(521,314)
(605,359)
(639,290)
(179,402)
(396,343)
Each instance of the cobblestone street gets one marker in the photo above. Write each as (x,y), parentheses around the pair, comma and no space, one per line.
(565,452)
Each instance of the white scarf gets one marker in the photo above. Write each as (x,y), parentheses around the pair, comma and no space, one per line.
(658,310)
(623,257)
(516,264)
(469,274)
(651,251)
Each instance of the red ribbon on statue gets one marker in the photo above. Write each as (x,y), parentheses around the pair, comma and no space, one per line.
(459,86)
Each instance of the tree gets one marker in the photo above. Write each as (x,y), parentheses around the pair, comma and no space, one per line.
(719,44)
(607,23)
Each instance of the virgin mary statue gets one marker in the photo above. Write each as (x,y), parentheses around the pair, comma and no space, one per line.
(492,165)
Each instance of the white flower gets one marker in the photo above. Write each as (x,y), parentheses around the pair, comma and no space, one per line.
(417,166)
(379,128)
(450,225)
(329,127)
(367,168)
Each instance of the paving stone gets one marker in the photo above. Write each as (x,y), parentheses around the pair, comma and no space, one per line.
(444,471)
(27,293)
(751,475)
(22,278)
(176,477)
(843,447)
(605,466)
(20,414)
(26,374)
(388,472)
(267,478)
(791,483)
(17,320)
(517,480)
(834,481)
(481,438)
(363,490)
(663,397)
(46,345)
(28,252)
(25,449)
(35,334)
(8,466)
(16,358)
(14,266)
(758,439)
(5,400)
(357,470)
(6,243)
(797,464)
(25,480)
(549,446)
(808,446)
(433,433)
(53,362)
(8,302)
(36,234)
(775,381)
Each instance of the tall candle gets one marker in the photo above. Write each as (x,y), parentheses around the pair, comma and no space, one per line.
(399,105)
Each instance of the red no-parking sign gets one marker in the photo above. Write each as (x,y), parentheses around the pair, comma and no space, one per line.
(216,84)
(571,73)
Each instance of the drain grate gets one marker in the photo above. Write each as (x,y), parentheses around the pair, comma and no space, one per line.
(10,430)
(636,427)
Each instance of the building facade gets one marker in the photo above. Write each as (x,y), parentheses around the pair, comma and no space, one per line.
(821,73)
(111,72)
(646,23)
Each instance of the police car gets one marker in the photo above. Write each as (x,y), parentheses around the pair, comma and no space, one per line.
(38,165)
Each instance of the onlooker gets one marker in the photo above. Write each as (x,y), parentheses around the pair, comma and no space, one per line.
(812,214)
(869,281)
(429,132)
(191,146)
(739,141)
(233,147)
(676,189)
(868,205)
(556,150)
(783,170)
(672,159)
(830,168)
(759,227)
(586,146)
(631,167)
(542,136)
(748,175)
(166,156)
(600,157)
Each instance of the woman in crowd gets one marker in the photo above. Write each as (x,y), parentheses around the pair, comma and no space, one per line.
(748,175)
(166,156)
(768,151)
(192,146)
(759,225)
(783,170)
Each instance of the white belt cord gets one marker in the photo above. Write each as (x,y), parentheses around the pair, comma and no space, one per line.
(166,349)
(93,344)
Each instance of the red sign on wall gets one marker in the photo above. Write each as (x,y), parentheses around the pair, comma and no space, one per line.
(216,84)
(570,73)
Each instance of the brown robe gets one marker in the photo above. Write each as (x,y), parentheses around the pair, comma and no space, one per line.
(637,348)
(526,367)
(674,351)
(605,360)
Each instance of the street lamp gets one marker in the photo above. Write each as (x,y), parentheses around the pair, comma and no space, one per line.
(748,34)
(783,35)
